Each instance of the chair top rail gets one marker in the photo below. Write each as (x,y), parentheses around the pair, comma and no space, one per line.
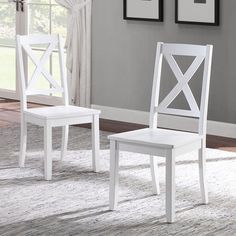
(38,39)
(184,50)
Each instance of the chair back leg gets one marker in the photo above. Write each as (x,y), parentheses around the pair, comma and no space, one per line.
(47,151)
(170,186)
(114,175)
(65,133)
(155,175)
(23,142)
(95,143)
(202,172)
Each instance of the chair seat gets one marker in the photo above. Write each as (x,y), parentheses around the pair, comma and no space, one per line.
(60,112)
(162,138)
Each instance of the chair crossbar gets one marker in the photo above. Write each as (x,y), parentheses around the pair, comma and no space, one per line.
(182,85)
(40,66)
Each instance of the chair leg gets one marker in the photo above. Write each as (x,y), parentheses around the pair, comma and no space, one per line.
(95,143)
(202,172)
(65,133)
(170,186)
(23,142)
(47,152)
(114,175)
(155,175)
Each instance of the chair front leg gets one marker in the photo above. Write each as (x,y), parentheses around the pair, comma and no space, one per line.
(114,175)
(202,171)
(155,175)
(95,143)
(23,142)
(47,151)
(170,186)
(65,133)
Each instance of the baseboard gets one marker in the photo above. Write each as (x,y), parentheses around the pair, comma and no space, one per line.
(172,122)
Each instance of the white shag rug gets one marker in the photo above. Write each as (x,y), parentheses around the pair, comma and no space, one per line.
(75,202)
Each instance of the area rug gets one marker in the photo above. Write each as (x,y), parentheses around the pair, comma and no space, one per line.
(75,202)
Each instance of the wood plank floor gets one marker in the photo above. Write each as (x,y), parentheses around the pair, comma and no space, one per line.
(10,114)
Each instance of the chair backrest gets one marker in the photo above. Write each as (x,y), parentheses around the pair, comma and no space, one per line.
(168,51)
(28,87)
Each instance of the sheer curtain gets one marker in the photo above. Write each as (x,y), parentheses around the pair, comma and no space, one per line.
(78,46)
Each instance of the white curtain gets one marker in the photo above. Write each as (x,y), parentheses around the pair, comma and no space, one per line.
(78,46)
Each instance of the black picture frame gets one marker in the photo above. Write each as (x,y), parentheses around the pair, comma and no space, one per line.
(161,14)
(215,23)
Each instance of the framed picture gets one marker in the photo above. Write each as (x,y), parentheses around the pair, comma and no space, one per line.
(203,12)
(149,10)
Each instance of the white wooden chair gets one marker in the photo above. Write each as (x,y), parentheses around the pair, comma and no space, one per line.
(49,117)
(168,143)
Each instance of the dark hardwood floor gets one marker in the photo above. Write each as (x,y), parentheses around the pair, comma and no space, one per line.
(10,114)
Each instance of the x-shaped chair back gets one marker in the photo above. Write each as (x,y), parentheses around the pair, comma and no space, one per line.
(168,51)
(24,45)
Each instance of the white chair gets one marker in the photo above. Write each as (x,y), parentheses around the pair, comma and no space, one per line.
(49,117)
(168,143)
